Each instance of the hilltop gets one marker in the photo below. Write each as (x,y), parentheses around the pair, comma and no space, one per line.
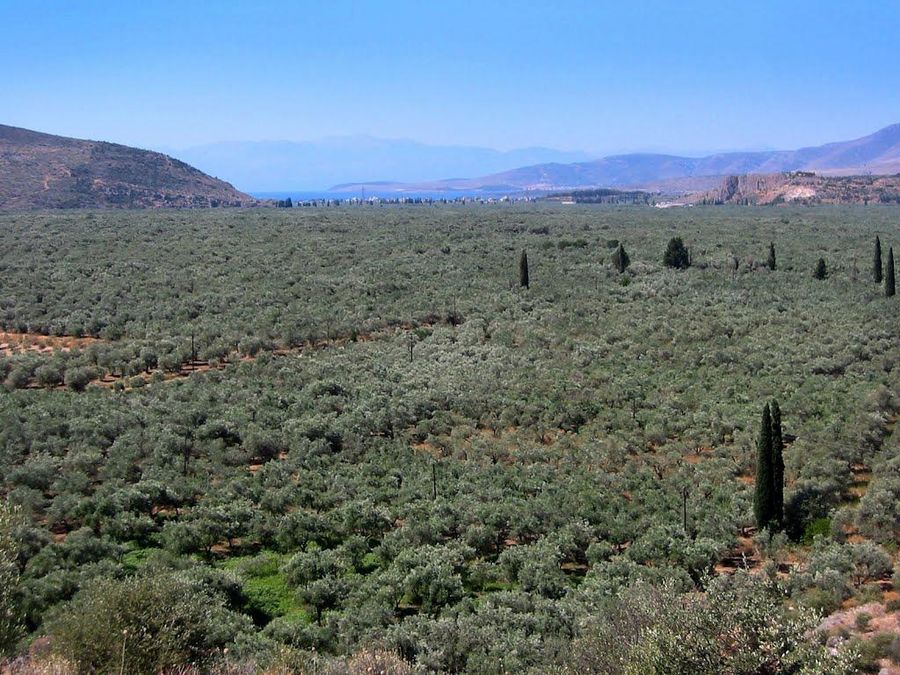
(40,170)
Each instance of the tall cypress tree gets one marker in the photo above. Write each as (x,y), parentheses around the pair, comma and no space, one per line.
(763,497)
(777,465)
(523,270)
(889,287)
(821,269)
(876,264)
(771,260)
(621,261)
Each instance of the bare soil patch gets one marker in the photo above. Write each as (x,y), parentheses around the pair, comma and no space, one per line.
(18,343)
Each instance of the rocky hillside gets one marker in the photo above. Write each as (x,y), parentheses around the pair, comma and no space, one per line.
(44,171)
(805,188)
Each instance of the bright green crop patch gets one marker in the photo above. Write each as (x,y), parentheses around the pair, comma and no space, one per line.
(267,593)
(270,596)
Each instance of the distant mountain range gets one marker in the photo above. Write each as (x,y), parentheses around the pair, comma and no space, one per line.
(44,171)
(278,166)
(40,170)
(878,153)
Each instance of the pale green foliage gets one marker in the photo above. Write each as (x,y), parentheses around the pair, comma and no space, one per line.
(430,575)
(878,515)
(870,562)
(536,568)
(879,511)
(739,626)
(833,566)
(661,544)
(368,662)
(320,577)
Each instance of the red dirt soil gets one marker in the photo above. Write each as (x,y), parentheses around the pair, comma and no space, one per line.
(17,343)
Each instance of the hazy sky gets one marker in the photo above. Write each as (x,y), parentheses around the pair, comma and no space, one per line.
(597,76)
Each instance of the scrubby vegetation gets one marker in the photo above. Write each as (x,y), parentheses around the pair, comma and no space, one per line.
(332,439)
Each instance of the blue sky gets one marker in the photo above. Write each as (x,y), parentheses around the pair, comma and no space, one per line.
(597,76)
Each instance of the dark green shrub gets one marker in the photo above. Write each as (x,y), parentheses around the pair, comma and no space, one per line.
(77,379)
(18,378)
(676,254)
(805,505)
(48,375)
(824,601)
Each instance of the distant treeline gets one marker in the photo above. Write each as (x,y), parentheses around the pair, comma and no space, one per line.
(602,196)
(380,201)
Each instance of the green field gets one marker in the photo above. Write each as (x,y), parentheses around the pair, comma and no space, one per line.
(378,440)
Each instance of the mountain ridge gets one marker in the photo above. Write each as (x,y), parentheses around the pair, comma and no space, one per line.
(40,170)
(877,153)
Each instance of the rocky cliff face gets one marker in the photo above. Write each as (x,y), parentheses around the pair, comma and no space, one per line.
(804,187)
